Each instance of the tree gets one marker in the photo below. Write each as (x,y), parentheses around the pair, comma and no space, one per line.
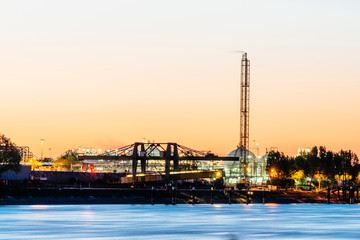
(348,161)
(314,161)
(330,165)
(10,156)
(320,177)
(297,176)
(318,163)
(301,163)
(280,163)
(66,161)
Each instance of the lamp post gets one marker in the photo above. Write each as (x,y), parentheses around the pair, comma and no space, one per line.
(42,150)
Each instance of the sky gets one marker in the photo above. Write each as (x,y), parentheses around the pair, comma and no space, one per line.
(105,74)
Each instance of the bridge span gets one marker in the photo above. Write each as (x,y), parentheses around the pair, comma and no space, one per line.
(171,156)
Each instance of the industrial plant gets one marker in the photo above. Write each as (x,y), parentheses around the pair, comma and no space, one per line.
(143,161)
(147,161)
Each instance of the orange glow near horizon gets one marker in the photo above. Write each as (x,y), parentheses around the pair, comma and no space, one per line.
(108,75)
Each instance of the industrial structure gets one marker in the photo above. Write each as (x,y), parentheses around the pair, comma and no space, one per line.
(248,167)
(164,159)
(170,161)
(244,116)
(146,158)
(145,161)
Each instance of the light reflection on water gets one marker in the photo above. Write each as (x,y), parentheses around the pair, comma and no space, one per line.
(180,222)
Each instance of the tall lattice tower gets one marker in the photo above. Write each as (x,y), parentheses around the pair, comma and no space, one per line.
(244,113)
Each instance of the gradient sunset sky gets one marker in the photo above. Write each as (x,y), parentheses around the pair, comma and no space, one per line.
(105,74)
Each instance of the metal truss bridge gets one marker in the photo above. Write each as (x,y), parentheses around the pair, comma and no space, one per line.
(171,155)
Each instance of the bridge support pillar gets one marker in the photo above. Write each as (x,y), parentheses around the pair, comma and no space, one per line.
(176,158)
(135,158)
(171,154)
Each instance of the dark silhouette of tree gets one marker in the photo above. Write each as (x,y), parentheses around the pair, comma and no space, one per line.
(10,156)
(347,160)
(280,163)
(300,163)
(322,159)
(314,162)
(328,163)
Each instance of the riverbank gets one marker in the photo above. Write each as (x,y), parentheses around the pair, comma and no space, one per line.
(19,196)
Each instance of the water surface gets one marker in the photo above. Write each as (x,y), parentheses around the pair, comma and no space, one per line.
(208,222)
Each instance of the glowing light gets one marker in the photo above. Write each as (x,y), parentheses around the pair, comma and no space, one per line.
(272,205)
(40,206)
(217,206)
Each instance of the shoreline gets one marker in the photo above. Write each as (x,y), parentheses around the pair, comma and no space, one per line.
(55,196)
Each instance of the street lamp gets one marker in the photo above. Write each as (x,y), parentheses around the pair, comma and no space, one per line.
(273,173)
(42,150)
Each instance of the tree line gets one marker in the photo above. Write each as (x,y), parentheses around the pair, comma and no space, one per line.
(318,163)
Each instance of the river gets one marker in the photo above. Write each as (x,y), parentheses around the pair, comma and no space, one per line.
(256,221)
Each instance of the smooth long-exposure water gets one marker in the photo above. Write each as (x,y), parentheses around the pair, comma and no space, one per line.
(180,222)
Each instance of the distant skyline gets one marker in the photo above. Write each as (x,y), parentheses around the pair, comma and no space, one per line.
(105,74)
